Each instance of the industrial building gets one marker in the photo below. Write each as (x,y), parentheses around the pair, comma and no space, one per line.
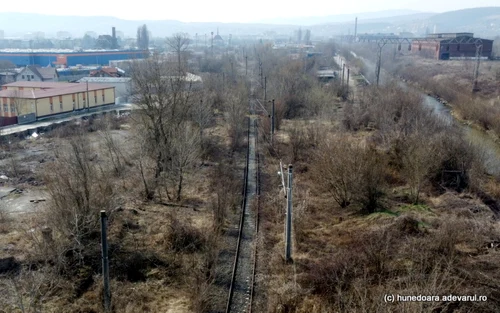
(123,86)
(67,57)
(25,102)
(448,46)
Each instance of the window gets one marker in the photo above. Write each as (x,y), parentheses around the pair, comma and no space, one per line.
(32,76)
(5,108)
(447,47)
(13,109)
(95,99)
(51,108)
(22,76)
(60,103)
(458,47)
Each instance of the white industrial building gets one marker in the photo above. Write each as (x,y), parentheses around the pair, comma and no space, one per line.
(122,86)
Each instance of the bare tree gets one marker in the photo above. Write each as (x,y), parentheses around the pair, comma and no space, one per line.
(165,103)
(112,149)
(185,150)
(203,114)
(179,44)
(143,37)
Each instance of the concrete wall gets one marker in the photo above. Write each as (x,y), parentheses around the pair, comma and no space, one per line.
(95,98)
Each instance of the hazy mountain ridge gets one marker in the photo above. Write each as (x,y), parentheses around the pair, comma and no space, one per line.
(483,21)
(341,18)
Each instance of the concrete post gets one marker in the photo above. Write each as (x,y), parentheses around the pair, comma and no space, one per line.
(347,84)
(272,119)
(288,222)
(343,73)
(105,262)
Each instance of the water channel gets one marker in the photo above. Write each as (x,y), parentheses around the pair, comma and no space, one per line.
(486,144)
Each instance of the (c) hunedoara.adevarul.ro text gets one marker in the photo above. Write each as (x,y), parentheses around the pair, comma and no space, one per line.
(429,298)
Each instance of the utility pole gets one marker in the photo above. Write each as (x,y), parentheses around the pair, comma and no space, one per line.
(265,88)
(272,120)
(246,65)
(479,48)
(347,84)
(260,70)
(379,61)
(288,222)
(105,262)
(88,105)
(343,70)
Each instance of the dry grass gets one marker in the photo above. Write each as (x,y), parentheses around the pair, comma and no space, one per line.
(159,252)
(345,261)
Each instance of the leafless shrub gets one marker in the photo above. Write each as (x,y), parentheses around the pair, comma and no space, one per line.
(350,172)
(5,219)
(78,189)
(113,150)
(26,291)
(226,189)
(183,237)
(335,167)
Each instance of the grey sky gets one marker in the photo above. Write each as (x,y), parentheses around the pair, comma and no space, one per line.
(229,10)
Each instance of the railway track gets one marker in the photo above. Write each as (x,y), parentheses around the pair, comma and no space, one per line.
(241,289)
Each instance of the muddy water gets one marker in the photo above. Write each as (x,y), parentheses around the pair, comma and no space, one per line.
(488,147)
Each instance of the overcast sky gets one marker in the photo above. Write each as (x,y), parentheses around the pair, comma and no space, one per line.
(229,10)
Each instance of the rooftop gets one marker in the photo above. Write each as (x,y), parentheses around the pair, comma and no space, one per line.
(105,79)
(48,89)
(62,50)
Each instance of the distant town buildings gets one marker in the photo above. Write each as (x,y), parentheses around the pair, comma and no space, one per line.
(63,35)
(2,34)
(34,36)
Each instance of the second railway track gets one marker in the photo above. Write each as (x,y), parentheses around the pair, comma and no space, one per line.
(241,288)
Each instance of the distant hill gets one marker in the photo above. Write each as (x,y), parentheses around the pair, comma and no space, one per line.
(342,18)
(483,22)
(78,25)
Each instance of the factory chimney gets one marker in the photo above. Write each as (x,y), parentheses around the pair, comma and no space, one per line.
(113,35)
(355,27)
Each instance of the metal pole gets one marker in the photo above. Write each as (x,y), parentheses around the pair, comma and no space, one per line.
(288,223)
(105,262)
(272,119)
(347,84)
(88,101)
(342,80)
(379,62)
(265,88)
(476,69)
